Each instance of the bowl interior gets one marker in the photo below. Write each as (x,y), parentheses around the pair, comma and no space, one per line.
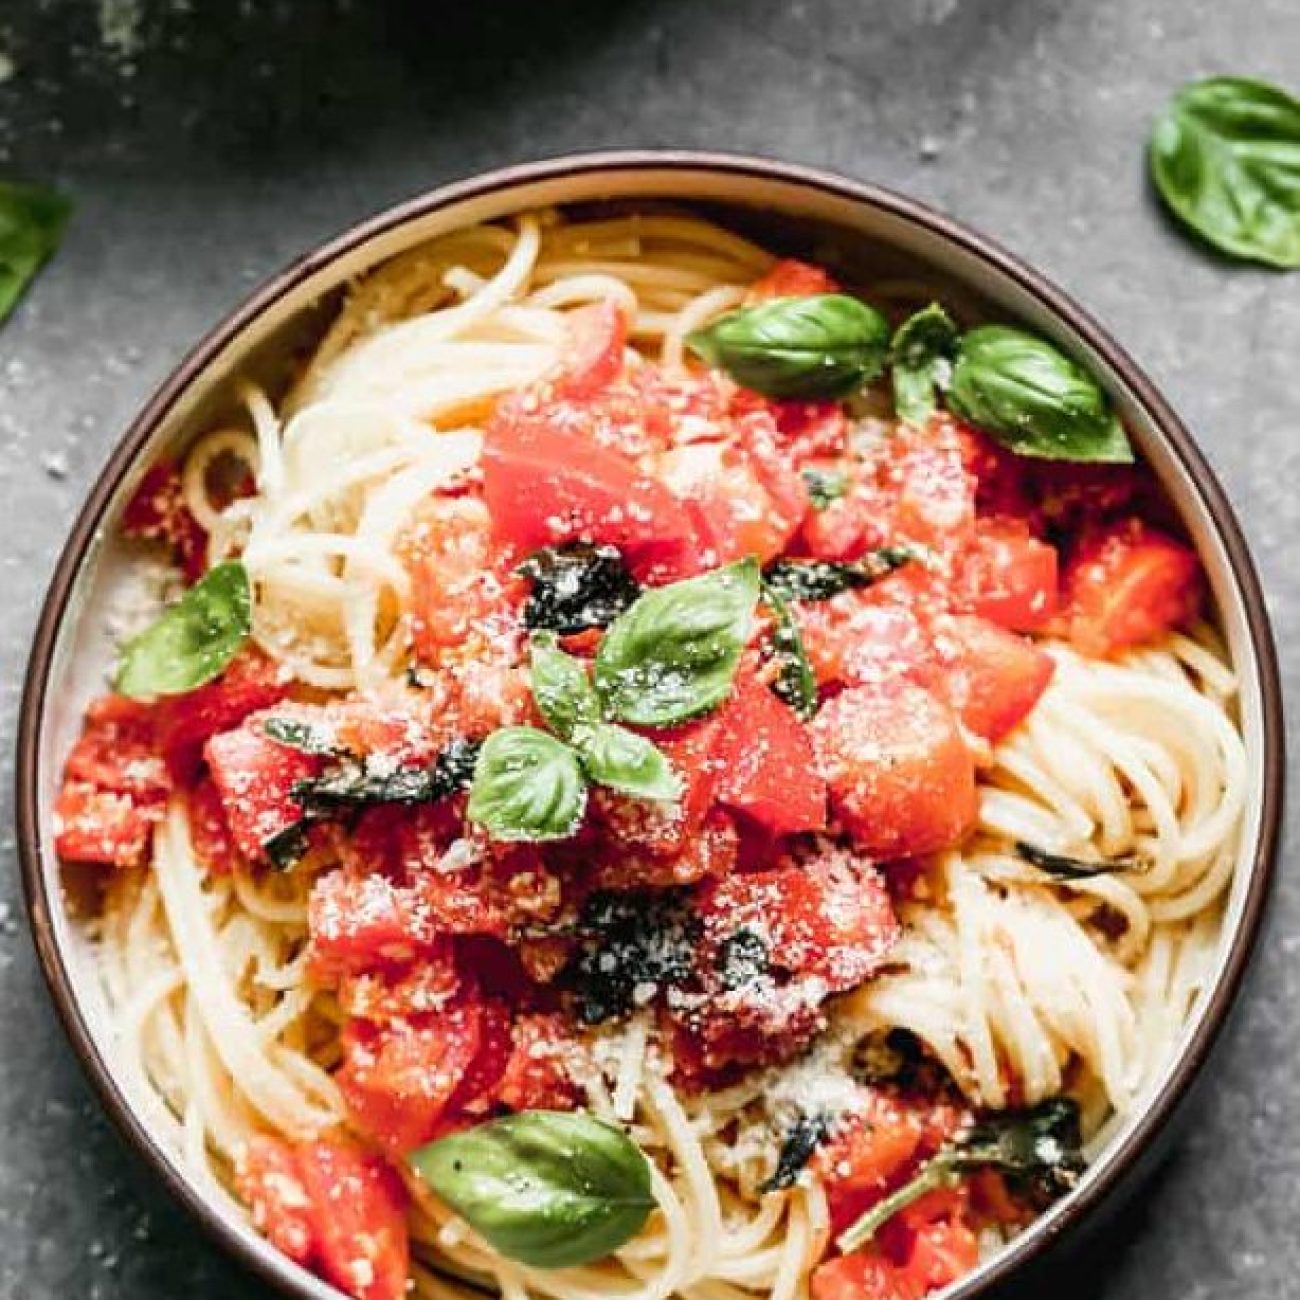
(789,210)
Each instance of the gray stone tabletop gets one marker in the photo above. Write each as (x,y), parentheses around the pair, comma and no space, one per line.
(208,141)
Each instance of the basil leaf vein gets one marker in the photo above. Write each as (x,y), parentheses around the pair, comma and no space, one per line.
(32,221)
(818,346)
(193,641)
(527,786)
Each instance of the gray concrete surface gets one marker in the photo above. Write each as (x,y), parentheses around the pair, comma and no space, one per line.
(206,143)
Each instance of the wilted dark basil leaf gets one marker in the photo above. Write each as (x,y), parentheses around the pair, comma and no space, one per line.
(742,959)
(1225,157)
(1033,399)
(284,848)
(921,356)
(1067,868)
(795,682)
(32,220)
(819,346)
(822,579)
(804,1137)
(576,587)
(547,1188)
(299,735)
(362,782)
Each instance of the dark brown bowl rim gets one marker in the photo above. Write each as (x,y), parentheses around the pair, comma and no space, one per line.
(1037,1239)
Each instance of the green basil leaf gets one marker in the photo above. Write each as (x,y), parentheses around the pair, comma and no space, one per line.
(822,579)
(550,1189)
(825,486)
(822,345)
(32,220)
(795,683)
(1225,157)
(623,761)
(576,586)
(190,643)
(921,356)
(1033,399)
(305,737)
(673,654)
(561,687)
(527,786)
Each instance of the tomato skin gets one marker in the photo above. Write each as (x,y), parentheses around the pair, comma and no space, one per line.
(107,827)
(1009,577)
(255,776)
(593,356)
(931,490)
(358,922)
(268,1181)
(1126,584)
(116,750)
(214,846)
(901,779)
(791,278)
(544,486)
(861,1277)
(992,678)
(811,429)
(157,512)
(767,767)
(858,638)
(932,1239)
(535,1077)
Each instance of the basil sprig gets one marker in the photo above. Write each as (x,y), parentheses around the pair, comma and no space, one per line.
(1225,158)
(819,346)
(1033,398)
(564,694)
(921,356)
(618,758)
(550,1189)
(32,220)
(191,642)
(673,655)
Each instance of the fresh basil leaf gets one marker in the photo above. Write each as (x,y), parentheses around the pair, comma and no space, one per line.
(361,783)
(1033,399)
(527,786)
(299,735)
(190,643)
(620,759)
(549,1189)
(795,682)
(1225,157)
(821,345)
(921,357)
(32,220)
(576,587)
(822,579)
(805,1136)
(1067,868)
(673,654)
(561,687)
(825,486)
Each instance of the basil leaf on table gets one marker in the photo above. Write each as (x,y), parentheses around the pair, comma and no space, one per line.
(822,345)
(1033,399)
(1225,158)
(618,758)
(561,687)
(576,587)
(674,653)
(921,356)
(822,579)
(550,1189)
(32,220)
(191,642)
(527,786)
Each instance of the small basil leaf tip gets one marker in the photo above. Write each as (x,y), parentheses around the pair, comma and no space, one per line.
(527,786)
(820,346)
(563,691)
(550,1189)
(1225,158)
(921,357)
(1033,399)
(32,220)
(193,640)
(674,653)
(618,758)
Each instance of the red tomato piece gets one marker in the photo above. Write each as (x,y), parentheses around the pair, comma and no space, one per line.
(479,1085)
(102,826)
(544,486)
(932,492)
(861,1277)
(992,678)
(791,278)
(268,1181)
(397,1080)
(860,638)
(901,779)
(932,1239)
(157,512)
(255,776)
(1127,584)
(1009,577)
(384,993)
(214,846)
(593,356)
(116,750)
(768,769)
(535,1076)
(359,922)
(812,429)
(358,1214)
(186,722)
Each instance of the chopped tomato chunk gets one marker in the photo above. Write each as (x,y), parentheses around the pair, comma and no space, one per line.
(594,354)
(360,922)
(536,1077)
(791,278)
(214,846)
(116,751)
(157,512)
(1127,584)
(862,1277)
(859,638)
(932,1240)
(267,1178)
(105,826)
(901,779)
(1009,576)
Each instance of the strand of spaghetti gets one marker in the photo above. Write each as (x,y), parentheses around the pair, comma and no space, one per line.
(223,1013)
(266,425)
(234,443)
(595,286)
(698,312)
